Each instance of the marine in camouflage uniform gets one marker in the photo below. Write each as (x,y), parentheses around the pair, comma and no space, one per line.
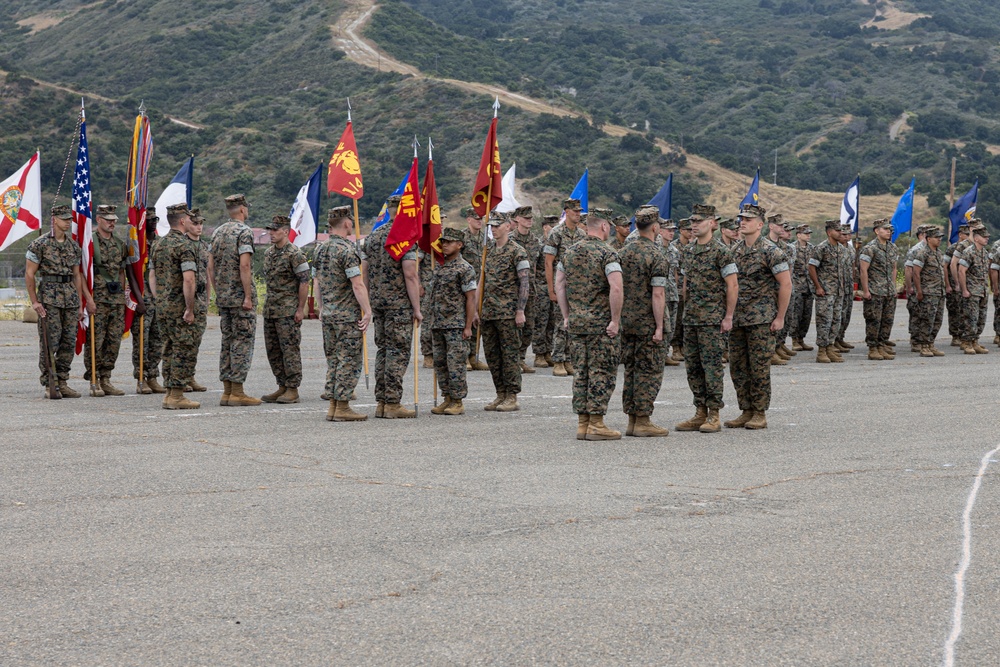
(202,292)
(393,313)
(672,290)
(678,244)
(778,233)
(908,285)
(878,285)
(345,313)
(621,227)
(453,310)
(589,290)
(851,276)
(711,290)
(561,238)
(973,273)
(236,298)
(110,258)
(765,287)
(953,292)
(286,274)
(826,270)
(506,286)
(645,271)
(55,260)
(176,258)
(472,252)
(546,311)
(800,311)
(928,268)
(523,218)
(152,340)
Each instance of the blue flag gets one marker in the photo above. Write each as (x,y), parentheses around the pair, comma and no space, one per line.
(902,219)
(662,200)
(851,204)
(384,216)
(580,191)
(963,210)
(753,194)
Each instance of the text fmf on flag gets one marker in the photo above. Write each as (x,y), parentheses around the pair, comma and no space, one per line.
(406,227)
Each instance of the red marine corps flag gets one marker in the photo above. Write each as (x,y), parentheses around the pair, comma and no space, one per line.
(343,175)
(406,226)
(430,238)
(488,191)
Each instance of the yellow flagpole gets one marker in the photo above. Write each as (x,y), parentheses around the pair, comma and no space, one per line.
(93,361)
(142,350)
(416,351)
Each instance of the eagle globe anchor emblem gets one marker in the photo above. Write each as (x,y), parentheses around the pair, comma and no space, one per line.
(348,162)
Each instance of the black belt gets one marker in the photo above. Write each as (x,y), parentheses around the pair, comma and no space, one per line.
(51,278)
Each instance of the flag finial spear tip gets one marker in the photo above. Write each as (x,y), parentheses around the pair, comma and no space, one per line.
(416,145)
(430,149)
(496,105)
(348,109)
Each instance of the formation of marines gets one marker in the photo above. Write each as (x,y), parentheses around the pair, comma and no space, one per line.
(594,292)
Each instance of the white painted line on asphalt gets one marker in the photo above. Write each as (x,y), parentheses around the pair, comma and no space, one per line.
(963,565)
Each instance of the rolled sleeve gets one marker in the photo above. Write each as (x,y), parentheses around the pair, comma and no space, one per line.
(964,263)
(781,267)
(352,272)
(523,265)
(864,258)
(189,266)
(550,250)
(658,281)
(245,249)
(469,286)
(731,269)
(815,262)
(411,256)
(994,267)
(560,268)
(917,262)
(32,257)
(612,267)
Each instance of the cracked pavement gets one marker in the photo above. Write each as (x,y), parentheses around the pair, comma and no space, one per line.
(134,535)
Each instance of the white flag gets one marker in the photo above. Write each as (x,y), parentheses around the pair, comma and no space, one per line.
(21,203)
(509,201)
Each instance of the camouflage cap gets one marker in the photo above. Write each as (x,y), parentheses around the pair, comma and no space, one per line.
(61,211)
(981,231)
(236,200)
(338,213)
(752,211)
(804,229)
(178,208)
(963,228)
(882,223)
(789,226)
(470,212)
(729,223)
(624,221)
(667,223)
(452,234)
(702,212)
(684,223)
(832,224)
(922,229)
(107,211)
(572,205)
(647,215)
(550,219)
(277,222)
(776,219)
(846,228)
(195,215)
(394,200)
(497,218)
(934,231)
(151,214)
(523,212)
(583,218)
(603,213)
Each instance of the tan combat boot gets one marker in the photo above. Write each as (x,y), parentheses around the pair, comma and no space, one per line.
(559,370)
(915,347)
(955,342)
(342,412)
(740,421)
(238,399)
(456,407)
(725,357)
(786,351)
(332,410)
(478,365)
(678,354)
(847,346)
(937,352)
(468,364)
(509,403)
(779,350)
(596,430)
(109,389)
(492,405)
(428,361)
(97,392)
(979,348)
(758,421)
(273,396)
(778,360)
(176,400)
(712,423)
(996,340)
(834,354)
(581,426)
(630,429)
(890,343)
(66,391)
(875,353)
(569,368)
(821,356)
(540,361)
(291,395)
(526,369)
(888,352)
(670,361)
(157,388)
(380,410)
(397,411)
(548,359)
(797,345)
(324,396)
(226,392)
(197,386)
(441,407)
(965,345)
(925,351)
(644,428)
(693,424)
(142,388)
(805,346)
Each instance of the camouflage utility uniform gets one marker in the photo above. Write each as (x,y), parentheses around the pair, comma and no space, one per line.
(173,256)
(587,265)
(929,313)
(110,258)
(826,257)
(849,277)
(677,307)
(285,269)
(953,299)
(546,312)
(452,281)
(57,292)
(501,336)
(802,298)
(880,310)
(561,238)
(152,338)
(336,262)
(238,326)
(533,249)
(976,262)
(644,266)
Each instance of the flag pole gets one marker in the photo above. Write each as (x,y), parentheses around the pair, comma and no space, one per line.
(93,360)
(951,197)
(416,324)
(482,263)
(142,351)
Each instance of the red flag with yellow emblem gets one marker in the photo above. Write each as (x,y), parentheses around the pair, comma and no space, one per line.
(488,192)
(430,238)
(343,174)
(406,226)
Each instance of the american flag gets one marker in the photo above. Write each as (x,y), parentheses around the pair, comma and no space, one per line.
(82,217)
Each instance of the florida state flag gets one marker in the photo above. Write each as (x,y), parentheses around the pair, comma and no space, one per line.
(430,238)
(406,227)
(343,174)
(488,179)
